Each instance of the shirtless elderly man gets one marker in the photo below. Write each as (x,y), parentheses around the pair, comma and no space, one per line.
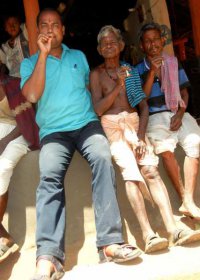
(116,91)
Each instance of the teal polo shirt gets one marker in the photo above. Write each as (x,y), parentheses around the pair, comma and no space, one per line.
(66,103)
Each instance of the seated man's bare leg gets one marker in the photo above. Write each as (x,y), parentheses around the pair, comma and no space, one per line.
(188,207)
(160,196)
(152,241)
(7,245)
(137,203)
(186,192)
(3,233)
(159,193)
(173,170)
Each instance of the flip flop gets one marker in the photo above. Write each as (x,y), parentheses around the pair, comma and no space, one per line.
(155,243)
(123,253)
(40,277)
(58,272)
(185,236)
(6,251)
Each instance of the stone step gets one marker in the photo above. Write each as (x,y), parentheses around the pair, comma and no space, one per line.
(81,253)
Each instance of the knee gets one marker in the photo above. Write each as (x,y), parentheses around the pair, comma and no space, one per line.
(5,176)
(102,159)
(100,150)
(168,156)
(6,171)
(3,187)
(51,172)
(192,146)
(132,188)
(150,172)
(49,163)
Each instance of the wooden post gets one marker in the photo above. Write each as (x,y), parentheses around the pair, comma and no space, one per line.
(195,18)
(31,8)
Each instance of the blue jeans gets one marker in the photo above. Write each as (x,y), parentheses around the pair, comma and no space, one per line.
(55,156)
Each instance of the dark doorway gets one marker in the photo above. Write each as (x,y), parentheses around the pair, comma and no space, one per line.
(181,25)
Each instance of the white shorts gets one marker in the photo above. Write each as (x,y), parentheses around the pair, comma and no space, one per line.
(10,156)
(163,139)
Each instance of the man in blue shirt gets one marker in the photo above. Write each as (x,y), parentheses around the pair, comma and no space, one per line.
(165,84)
(57,78)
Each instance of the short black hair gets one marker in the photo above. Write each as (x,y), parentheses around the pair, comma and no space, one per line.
(8,16)
(149,26)
(48,10)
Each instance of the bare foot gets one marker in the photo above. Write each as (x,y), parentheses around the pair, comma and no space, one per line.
(191,211)
(110,249)
(5,238)
(7,244)
(44,267)
(127,249)
(118,253)
(48,267)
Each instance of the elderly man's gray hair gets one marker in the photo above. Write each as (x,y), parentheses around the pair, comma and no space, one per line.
(108,29)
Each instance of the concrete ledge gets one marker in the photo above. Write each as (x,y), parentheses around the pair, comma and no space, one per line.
(80,237)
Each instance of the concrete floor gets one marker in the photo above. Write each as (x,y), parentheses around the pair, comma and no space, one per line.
(177,263)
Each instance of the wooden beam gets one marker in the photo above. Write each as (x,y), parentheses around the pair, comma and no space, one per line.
(195,18)
(31,8)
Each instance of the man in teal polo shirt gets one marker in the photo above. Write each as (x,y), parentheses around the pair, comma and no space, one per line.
(57,78)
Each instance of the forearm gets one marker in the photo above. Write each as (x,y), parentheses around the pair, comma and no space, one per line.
(143,121)
(185,98)
(142,127)
(34,86)
(147,87)
(11,136)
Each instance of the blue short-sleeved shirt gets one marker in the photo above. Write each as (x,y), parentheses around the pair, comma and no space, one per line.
(66,103)
(156,100)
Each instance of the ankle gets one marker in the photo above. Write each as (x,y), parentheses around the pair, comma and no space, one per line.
(4,234)
(44,267)
(147,234)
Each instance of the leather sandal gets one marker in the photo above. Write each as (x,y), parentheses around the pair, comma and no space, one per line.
(58,272)
(185,236)
(155,243)
(123,253)
(7,250)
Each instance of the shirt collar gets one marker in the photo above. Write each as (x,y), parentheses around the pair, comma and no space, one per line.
(65,48)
